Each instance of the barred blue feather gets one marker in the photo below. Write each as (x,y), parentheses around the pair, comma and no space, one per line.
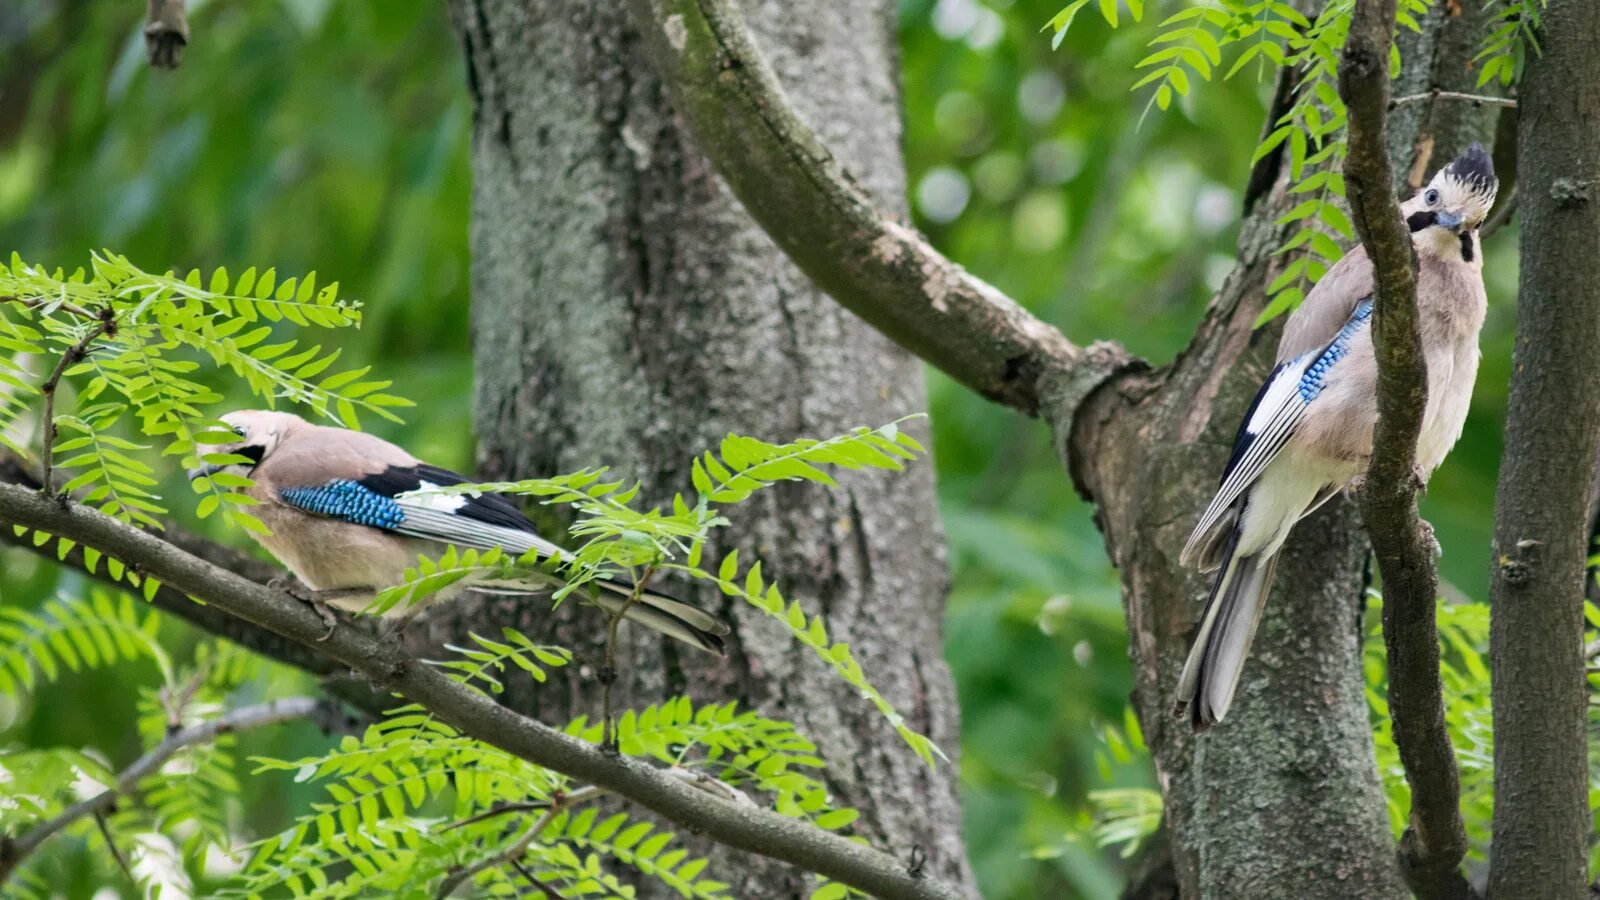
(346,500)
(1311,382)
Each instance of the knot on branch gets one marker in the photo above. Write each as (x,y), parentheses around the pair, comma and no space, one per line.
(166,33)
(1570,192)
(1361,61)
(1520,566)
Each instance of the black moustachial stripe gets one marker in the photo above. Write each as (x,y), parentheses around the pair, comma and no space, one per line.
(495,509)
(1421,219)
(1467,240)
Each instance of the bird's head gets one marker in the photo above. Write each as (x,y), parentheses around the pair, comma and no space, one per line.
(1458,198)
(259,433)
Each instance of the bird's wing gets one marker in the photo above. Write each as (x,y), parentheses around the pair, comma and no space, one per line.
(1272,420)
(1328,307)
(397,499)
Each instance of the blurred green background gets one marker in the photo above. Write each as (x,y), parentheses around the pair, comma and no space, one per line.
(308,134)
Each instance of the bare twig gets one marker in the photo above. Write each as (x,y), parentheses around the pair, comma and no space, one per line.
(166,32)
(501,810)
(106,324)
(758,831)
(111,844)
(241,719)
(559,803)
(36,303)
(608,672)
(878,268)
(1432,848)
(1474,99)
(550,893)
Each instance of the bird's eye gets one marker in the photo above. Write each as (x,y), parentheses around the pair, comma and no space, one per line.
(238,430)
(1432,196)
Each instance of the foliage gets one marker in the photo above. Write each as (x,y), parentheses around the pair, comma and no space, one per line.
(379,831)
(1513,31)
(622,541)
(71,635)
(128,340)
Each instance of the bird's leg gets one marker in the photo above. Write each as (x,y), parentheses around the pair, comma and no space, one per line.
(394,626)
(1419,480)
(318,600)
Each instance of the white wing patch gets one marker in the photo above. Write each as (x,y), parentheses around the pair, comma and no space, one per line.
(1278,410)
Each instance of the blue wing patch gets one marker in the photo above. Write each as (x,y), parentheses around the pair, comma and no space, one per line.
(348,501)
(1311,383)
(1273,418)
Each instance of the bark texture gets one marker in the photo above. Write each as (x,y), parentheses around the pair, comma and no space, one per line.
(628,313)
(1544,502)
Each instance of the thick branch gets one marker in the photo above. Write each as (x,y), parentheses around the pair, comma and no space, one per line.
(13,852)
(1544,502)
(1434,845)
(878,268)
(754,830)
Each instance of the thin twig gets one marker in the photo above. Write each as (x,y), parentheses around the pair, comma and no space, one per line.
(175,702)
(550,893)
(503,810)
(107,324)
(1475,99)
(271,713)
(36,303)
(608,673)
(559,803)
(111,843)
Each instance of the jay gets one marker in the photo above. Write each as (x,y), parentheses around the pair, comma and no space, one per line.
(1308,434)
(349,513)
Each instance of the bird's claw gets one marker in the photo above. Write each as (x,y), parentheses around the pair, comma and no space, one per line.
(1419,480)
(317,600)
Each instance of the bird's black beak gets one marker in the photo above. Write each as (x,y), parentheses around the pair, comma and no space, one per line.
(202,471)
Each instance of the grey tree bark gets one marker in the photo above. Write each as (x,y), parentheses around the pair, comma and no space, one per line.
(1545,498)
(627,313)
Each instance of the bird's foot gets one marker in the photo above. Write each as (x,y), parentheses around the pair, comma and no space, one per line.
(318,600)
(1356,485)
(1425,528)
(394,627)
(1419,480)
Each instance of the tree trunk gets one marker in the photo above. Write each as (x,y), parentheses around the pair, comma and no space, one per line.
(1283,798)
(1544,501)
(627,313)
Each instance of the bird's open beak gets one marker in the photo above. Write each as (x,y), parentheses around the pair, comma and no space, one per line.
(1450,220)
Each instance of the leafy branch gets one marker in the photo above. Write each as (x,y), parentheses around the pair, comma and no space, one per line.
(14,850)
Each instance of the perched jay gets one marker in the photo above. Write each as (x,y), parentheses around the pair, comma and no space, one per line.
(1308,434)
(347,519)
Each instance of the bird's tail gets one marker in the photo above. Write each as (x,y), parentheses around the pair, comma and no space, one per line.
(1205,689)
(659,612)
